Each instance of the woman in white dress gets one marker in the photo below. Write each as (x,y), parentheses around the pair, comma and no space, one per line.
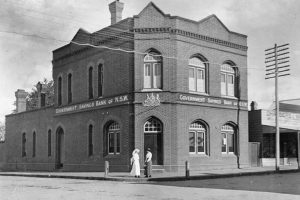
(135,163)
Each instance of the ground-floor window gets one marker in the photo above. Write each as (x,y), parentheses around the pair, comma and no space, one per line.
(90,140)
(23,144)
(114,138)
(228,139)
(49,142)
(198,138)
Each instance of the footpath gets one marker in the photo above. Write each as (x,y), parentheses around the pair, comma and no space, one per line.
(162,176)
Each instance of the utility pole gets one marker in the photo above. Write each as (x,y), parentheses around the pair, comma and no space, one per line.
(276,66)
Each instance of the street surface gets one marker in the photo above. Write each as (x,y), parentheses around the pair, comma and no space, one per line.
(281,186)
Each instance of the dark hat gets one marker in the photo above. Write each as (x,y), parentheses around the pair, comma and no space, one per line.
(148,149)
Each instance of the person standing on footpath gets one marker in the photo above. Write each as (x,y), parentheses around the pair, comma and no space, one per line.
(148,163)
(135,163)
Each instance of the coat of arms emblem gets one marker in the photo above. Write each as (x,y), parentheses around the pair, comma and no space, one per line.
(152,100)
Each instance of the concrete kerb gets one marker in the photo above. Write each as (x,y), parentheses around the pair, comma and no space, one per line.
(154,179)
(76,177)
(215,176)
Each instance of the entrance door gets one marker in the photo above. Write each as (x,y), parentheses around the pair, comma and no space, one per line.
(153,139)
(60,148)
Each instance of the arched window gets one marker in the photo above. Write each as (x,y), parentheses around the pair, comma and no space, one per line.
(90,140)
(23,144)
(153,126)
(59,91)
(49,142)
(33,144)
(198,140)
(69,88)
(113,131)
(197,75)
(90,82)
(228,139)
(153,71)
(100,80)
(228,75)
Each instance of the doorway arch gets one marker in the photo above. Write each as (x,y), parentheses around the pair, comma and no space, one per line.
(60,148)
(153,139)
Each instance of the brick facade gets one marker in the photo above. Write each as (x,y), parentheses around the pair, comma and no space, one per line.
(175,38)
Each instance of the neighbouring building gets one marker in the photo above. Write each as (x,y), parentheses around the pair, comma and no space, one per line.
(153,80)
(262,133)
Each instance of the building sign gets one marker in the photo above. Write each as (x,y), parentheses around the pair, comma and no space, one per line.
(92,104)
(211,100)
(152,100)
(286,119)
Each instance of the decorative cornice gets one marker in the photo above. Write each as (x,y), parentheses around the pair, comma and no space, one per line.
(190,35)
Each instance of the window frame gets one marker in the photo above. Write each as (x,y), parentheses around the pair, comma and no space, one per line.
(70,98)
(227,74)
(90,140)
(114,132)
(228,129)
(23,144)
(59,90)
(199,66)
(49,143)
(90,83)
(100,80)
(33,144)
(152,62)
(201,129)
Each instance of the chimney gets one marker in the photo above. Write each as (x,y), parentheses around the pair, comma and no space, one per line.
(116,9)
(41,95)
(253,105)
(20,100)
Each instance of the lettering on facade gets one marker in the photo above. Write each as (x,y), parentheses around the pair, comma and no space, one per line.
(226,102)
(286,119)
(215,101)
(210,100)
(92,104)
(152,100)
(190,98)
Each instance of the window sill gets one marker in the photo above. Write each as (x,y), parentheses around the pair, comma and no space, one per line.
(228,155)
(198,155)
(228,97)
(151,90)
(199,93)
(112,155)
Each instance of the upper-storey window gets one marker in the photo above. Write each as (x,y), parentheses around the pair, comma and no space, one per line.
(228,80)
(69,88)
(100,80)
(153,71)
(90,82)
(59,91)
(197,75)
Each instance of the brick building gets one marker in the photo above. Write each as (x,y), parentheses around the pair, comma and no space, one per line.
(177,86)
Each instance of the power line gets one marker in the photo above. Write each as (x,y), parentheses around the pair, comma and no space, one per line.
(110,48)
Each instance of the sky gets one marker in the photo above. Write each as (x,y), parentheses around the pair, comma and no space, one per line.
(25,60)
